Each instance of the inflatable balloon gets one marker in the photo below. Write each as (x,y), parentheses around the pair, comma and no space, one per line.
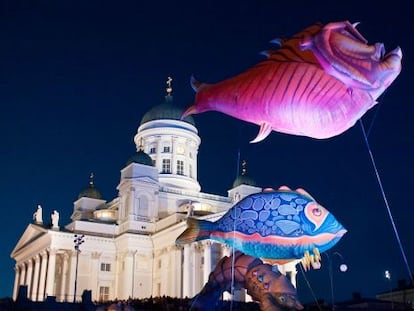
(317,84)
(263,282)
(277,226)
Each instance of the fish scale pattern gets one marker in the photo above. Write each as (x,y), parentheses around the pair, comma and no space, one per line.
(279,214)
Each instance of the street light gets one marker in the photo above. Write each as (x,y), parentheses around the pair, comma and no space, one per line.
(387,275)
(79,239)
(342,267)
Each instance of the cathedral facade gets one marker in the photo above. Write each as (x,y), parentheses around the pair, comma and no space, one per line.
(125,248)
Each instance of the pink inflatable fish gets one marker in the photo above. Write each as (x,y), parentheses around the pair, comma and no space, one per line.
(317,84)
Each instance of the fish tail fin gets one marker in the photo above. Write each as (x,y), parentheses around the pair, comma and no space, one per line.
(196,230)
(194,108)
(195,84)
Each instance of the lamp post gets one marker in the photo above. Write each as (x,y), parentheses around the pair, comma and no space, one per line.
(79,239)
(387,275)
(342,267)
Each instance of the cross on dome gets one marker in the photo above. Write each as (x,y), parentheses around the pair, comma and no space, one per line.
(169,88)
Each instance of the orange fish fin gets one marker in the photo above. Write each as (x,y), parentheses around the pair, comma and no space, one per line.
(196,230)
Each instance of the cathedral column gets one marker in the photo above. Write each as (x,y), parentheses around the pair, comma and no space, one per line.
(35,284)
(170,271)
(293,277)
(23,274)
(177,271)
(173,157)
(194,151)
(207,261)
(71,275)
(227,251)
(194,269)
(158,162)
(42,281)
(29,277)
(186,272)
(291,267)
(63,293)
(193,272)
(16,281)
(50,281)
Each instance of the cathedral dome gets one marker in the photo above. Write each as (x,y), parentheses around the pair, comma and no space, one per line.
(140,157)
(167,111)
(90,191)
(243,179)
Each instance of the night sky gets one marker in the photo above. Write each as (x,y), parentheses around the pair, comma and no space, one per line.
(76,77)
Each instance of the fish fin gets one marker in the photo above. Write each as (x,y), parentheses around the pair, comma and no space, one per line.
(265,129)
(265,53)
(277,41)
(189,111)
(284,188)
(196,230)
(304,193)
(197,85)
(311,260)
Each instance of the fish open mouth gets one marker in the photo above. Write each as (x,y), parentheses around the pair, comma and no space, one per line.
(346,55)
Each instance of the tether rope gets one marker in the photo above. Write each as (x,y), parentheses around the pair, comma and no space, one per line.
(310,287)
(386,201)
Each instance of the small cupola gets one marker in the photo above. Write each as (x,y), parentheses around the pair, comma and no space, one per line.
(140,157)
(244,179)
(90,191)
(243,185)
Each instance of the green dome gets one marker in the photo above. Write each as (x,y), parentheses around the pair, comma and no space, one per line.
(168,111)
(140,157)
(244,180)
(90,191)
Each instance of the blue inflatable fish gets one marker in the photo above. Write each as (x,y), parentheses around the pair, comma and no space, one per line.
(279,226)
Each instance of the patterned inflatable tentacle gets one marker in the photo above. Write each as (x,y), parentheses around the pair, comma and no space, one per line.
(270,288)
(222,274)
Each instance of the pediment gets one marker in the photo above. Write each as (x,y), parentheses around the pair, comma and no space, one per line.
(32,232)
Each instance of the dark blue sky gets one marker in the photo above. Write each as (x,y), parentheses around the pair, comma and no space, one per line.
(77,76)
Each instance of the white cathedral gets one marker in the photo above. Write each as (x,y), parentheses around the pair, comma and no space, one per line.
(125,248)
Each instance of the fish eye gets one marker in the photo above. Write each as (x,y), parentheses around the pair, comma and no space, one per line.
(282,298)
(316,211)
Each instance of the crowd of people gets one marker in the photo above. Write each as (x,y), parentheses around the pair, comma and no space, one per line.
(166,303)
(163,303)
